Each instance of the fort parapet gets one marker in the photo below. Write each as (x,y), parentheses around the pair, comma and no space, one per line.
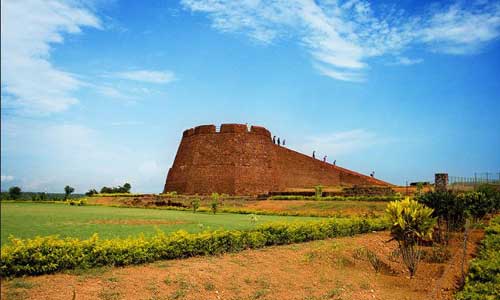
(238,160)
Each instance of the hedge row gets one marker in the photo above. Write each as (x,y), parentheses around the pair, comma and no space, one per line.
(50,254)
(483,280)
(337,198)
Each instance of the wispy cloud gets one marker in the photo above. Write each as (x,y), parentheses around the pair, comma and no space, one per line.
(111,92)
(126,123)
(29,30)
(460,30)
(339,143)
(159,77)
(6,178)
(406,61)
(341,36)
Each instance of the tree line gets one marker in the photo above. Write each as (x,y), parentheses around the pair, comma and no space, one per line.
(16,193)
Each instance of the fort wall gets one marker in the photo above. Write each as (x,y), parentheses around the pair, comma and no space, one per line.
(238,160)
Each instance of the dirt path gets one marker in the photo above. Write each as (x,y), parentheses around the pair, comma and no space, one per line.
(330,269)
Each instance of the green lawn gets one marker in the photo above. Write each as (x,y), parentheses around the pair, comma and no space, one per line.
(26,220)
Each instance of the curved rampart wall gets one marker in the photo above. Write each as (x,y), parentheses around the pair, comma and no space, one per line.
(238,160)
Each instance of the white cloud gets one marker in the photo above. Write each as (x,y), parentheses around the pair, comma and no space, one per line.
(338,143)
(147,76)
(341,36)
(340,75)
(406,61)
(111,92)
(126,123)
(6,178)
(29,29)
(457,30)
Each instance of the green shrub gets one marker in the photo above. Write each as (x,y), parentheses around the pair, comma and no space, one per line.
(50,254)
(68,190)
(213,206)
(318,191)
(411,222)
(15,192)
(215,202)
(452,210)
(113,190)
(476,204)
(492,192)
(80,202)
(449,210)
(195,204)
(91,193)
(483,280)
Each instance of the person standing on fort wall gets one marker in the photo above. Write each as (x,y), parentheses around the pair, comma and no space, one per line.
(278,141)
(283,142)
(314,154)
(324,158)
(274,139)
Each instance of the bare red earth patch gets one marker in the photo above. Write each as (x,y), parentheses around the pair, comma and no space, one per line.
(328,269)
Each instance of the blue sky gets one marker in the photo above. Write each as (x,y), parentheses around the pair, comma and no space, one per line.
(98,92)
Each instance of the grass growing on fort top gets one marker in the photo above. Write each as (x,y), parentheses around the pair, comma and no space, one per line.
(27,220)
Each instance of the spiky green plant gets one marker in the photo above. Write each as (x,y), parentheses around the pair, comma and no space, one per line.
(411,223)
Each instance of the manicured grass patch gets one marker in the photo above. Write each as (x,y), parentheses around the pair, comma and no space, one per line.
(27,220)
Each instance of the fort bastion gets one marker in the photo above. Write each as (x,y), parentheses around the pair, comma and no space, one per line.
(238,160)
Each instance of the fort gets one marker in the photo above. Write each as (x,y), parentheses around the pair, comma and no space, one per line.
(238,160)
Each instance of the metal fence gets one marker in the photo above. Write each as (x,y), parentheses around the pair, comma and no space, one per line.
(478,178)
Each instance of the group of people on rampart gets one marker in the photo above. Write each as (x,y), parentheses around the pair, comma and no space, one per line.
(277,141)
(324,158)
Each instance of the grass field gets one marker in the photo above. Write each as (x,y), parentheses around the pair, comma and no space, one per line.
(27,220)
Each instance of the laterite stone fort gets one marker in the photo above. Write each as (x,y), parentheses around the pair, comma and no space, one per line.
(238,160)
